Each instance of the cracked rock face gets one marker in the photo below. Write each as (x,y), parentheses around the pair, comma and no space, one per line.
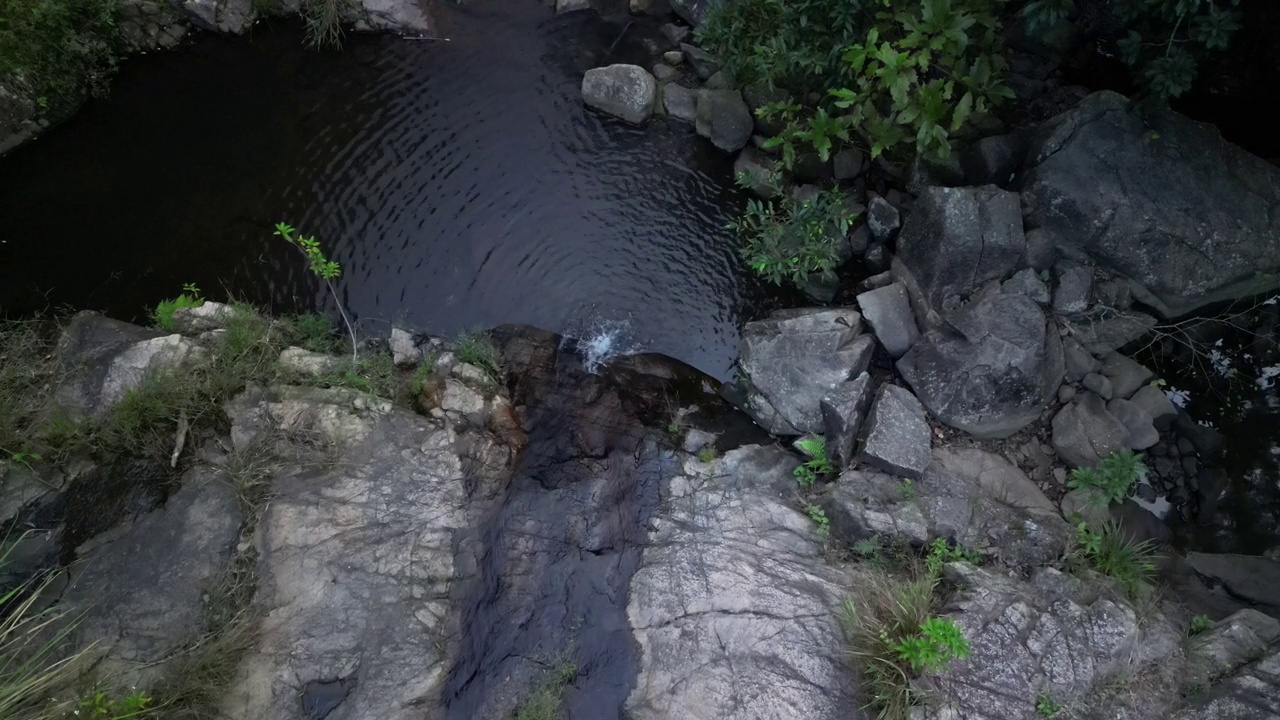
(1188,217)
(734,606)
(357,558)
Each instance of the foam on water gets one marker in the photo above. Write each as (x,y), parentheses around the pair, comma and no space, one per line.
(600,340)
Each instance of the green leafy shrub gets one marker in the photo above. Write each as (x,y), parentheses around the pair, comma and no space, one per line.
(162,316)
(323,268)
(923,73)
(312,331)
(818,464)
(788,239)
(1112,481)
(1165,40)
(58,49)
(941,552)
(707,454)
(792,44)
(819,517)
(1114,553)
(546,700)
(933,646)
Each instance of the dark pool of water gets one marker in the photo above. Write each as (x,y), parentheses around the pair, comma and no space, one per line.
(459,183)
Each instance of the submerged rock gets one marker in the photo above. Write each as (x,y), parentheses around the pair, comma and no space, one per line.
(793,359)
(1163,201)
(733,605)
(626,92)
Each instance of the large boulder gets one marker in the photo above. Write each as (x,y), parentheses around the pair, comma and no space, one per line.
(1166,202)
(723,118)
(898,436)
(793,359)
(967,495)
(1085,432)
(103,359)
(954,241)
(626,92)
(141,589)
(734,602)
(992,369)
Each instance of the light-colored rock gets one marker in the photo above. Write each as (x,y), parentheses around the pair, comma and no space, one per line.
(1028,283)
(1110,330)
(408,17)
(898,436)
(793,359)
(889,313)
(680,102)
(310,363)
(203,318)
(568,6)
(404,348)
(704,64)
(733,605)
(1071,296)
(626,92)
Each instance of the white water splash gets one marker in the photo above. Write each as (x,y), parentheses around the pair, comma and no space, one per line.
(603,340)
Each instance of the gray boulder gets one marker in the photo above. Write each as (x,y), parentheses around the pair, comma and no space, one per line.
(1172,206)
(756,168)
(1027,282)
(967,495)
(1079,362)
(1142,432)
(1247,577)
(1251,694)
(1240,638)
(843,412)
(898,436)
(1126,374)
(992,370)
(848,164)
(103,359)
(1071,297)
(404,347)
(708,649)
(883,219)
(568,6)
(723,118)
(793,359)
(1105,332)
(401,16)
(626,92)
(1098,384)
(680,102)
(141,589)
(1156,404)
(954,241)
(1084,432)
(888,311)
(703,62)
(1053,636)
(664,73)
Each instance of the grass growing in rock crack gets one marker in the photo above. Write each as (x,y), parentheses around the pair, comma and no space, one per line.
(547,698)
(1114,553)
(818,464)
(32,665)
(475,348)
(27,372)
(162,315)
(896,635)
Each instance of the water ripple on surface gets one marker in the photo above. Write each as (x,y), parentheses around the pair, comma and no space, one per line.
(458,183)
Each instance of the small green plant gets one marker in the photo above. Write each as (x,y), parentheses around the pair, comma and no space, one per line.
(1113,552)
(101,705)
(907,489)
(923,73)
(675,430)
(312,331)
(1112,481)
(1199,624)
(819,517)
(323,268)
(324,23)
(1046,706)
(707,454)
(162,316)
(546,700)
(789,239)
(818,464)
(475,348)
(868,548)
(941,552)
(423,376)
(374,373)
(937,643)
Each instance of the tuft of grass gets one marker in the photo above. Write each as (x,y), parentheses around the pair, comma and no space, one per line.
(27,372)
(546,700)
(707,454)
(324,23)
(373,373)
(476,348)
(33,663)
(162,316)
(1199,624)
(314,332)
(1114,553)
